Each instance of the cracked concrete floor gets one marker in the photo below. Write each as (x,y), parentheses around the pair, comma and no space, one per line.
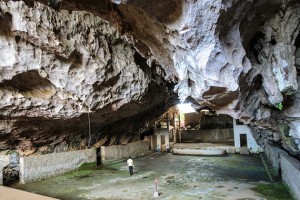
(229,177)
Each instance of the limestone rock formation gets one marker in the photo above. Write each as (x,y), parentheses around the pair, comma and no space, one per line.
(123,59)
(58,67)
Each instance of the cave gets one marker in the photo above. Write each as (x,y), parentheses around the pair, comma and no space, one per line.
(86,85)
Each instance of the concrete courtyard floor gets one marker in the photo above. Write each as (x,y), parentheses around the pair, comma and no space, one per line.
(230,177)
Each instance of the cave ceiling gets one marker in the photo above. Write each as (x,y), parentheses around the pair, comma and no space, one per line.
(121,64)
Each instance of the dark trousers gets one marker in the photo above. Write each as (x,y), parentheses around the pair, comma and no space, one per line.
(130,170)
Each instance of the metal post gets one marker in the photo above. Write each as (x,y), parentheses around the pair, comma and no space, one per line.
(156,188)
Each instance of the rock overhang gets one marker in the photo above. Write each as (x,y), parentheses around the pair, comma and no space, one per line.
(209,50)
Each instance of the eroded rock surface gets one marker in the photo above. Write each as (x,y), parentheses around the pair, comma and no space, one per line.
(58,66)
(237,57)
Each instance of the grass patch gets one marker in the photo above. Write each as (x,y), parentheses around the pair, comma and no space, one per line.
(274,191)
(88,166)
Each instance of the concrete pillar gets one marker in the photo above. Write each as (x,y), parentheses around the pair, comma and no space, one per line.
(168,122)
(153,142)
(167,139)
(236,136)
(179,128)
(174,129)
(158,142)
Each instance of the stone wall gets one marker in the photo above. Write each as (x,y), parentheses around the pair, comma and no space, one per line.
(208,135)
(273,154)
(290,170)
(191,119)
(110,154)
(34,168)
(287,165)
(4,160)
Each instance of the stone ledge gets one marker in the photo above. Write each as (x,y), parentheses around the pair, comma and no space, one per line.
(290,170)
(207,152)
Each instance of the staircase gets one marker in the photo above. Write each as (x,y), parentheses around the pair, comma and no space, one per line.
(274,176)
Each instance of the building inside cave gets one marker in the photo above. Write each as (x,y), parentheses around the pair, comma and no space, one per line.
(203,95)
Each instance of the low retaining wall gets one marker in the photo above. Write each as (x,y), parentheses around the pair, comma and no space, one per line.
(287,165)
(207,152)
(290,171)
(208,135)
(110,154)
(34,168)
(273,154)
(204,146)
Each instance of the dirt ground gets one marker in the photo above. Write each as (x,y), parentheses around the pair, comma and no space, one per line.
(230,177)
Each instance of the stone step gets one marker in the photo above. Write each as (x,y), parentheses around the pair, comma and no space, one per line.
(244,151)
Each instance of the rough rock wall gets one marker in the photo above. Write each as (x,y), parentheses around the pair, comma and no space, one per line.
(219,135)
(238,57)
(56,67)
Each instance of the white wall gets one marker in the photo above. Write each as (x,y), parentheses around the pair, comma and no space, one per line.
(251,143)
(113,153)
(289,167)
(38,167)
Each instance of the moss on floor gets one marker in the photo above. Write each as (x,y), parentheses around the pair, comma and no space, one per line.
(274,191)
(180,177)
(88,166)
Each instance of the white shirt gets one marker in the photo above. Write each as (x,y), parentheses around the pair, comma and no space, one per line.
(130,162)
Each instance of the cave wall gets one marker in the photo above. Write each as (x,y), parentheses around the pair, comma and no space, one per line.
(224,136)
(216,121)
(56,67)
(60,60)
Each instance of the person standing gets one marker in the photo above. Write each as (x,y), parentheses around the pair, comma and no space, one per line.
(168,148)
(130,165)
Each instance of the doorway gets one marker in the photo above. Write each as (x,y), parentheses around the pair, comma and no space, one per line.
(243,140)
(98,154)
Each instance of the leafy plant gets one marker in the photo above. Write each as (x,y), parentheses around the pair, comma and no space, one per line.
(279,106)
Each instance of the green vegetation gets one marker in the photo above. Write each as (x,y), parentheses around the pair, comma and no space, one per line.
(284,130)
(279,106)
(88,166)
(274,191)
(9,152)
